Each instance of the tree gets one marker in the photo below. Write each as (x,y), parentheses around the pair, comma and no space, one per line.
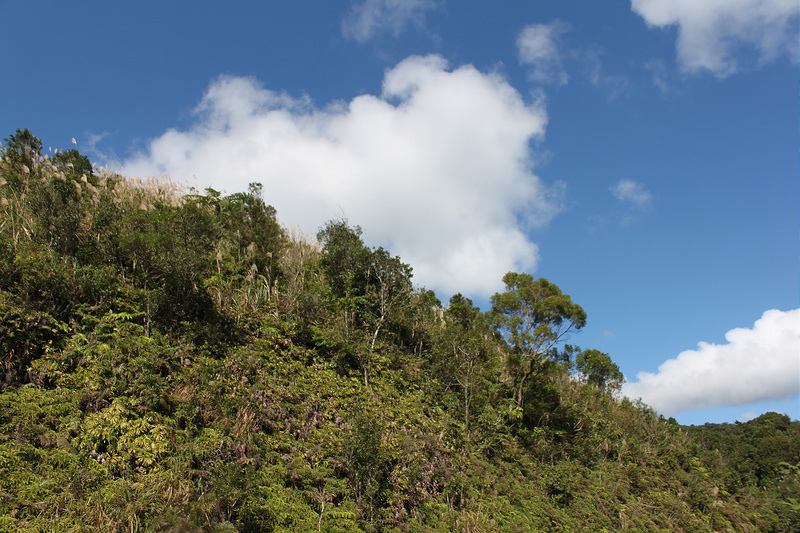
(73,163)
(599,370)
(466,344)
(345,258)
(534,316)
(254,227)
(23,148)
(370,284)
(22,152)
(168,254)
(389,285)
(63,203)
(345,266)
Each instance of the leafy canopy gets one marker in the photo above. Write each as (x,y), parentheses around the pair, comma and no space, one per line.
(534,315)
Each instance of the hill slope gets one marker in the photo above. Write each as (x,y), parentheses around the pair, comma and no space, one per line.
(180,362)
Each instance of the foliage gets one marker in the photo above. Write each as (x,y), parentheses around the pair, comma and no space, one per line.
(22,152)
(534,316)
(759,459)
(368,286)
(178,361)
(74,163)
(599,370)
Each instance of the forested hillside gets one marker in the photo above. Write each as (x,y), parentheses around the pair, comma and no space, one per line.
(174,360)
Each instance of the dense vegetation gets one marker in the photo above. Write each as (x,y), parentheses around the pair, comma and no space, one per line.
(757,461)
(176,361)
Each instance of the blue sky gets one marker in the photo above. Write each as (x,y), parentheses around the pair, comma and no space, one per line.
(643,155)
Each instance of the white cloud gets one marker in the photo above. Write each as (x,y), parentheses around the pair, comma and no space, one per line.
(541,49)
(713,33)
(758,364)
(746,416)
(437,169)
(371,16)
(538,46)
(632,191)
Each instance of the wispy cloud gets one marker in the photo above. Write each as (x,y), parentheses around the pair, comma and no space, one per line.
(437,168)
(539,48)
(106,156)
(712,33)
(370,17)
(542,50)
(755,365)
(614,85)
(633,192)
(660,75)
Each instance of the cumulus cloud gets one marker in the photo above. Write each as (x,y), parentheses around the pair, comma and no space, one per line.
(437,168)
(539,48)
(712,33)
(633,192)
(371,16)
(758,364)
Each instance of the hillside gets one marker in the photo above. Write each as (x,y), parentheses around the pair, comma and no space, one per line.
(178,361)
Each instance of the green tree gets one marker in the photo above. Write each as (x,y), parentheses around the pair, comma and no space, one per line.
(73,163)
(23,148)
(345,267)
(345,259)
(533,315)
(389,287)
(466,342)
(599,370)
(253,225)
(61,208)
(370,284)
(168,253)
(21,153)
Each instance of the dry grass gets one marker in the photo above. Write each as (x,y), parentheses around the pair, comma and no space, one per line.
(142,193)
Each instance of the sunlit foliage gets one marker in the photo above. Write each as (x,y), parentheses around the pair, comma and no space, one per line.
(174,360)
